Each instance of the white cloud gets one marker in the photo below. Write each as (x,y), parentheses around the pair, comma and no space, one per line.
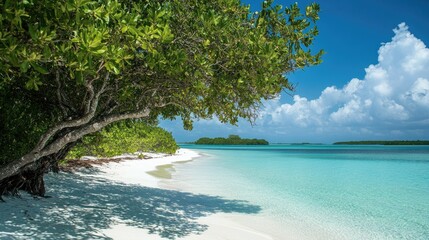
(392,99)
(419,92)
(390,102)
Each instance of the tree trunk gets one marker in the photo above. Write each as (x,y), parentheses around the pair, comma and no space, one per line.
(30,180)
(33,182)
(27,172)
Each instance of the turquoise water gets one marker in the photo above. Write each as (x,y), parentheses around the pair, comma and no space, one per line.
(324,191)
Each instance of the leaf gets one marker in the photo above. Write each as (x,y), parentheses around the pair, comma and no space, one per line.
(79,76)
(39,68)
(166,35)
(47,52)
(124,28)
(95,43)
(24,66)
(33,83)
(72,75)
(160,14)
(32,32)
(206,43)
(116,70)
(112,67)
(100,51)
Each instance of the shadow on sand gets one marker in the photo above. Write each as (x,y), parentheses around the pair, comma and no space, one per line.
(81,206)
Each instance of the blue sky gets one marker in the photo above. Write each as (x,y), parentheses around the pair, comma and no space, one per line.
(373,82)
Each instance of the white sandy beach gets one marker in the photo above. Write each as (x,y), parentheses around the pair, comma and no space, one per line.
(135,171)
(122,201)
(220,225)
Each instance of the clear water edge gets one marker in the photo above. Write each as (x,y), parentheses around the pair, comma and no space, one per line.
(321,191)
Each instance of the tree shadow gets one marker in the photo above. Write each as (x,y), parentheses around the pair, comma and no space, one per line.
(80,206)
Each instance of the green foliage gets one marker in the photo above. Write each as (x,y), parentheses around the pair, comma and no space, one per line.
(236,58)
(187,59)
(396,142)
(21,124)
(125,137)
(78,36)
(75,39)
(231,140)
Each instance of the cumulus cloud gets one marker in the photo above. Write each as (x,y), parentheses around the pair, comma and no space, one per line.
(391,100)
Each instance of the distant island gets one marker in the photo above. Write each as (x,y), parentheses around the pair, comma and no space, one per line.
(231,140)
(398,142)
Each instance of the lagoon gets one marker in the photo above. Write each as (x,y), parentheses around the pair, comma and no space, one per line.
(320,191)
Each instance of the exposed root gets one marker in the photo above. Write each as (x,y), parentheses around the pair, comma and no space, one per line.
(30,180)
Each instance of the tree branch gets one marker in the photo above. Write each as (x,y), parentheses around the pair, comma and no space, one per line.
(15,166)
(89,114)
(59,95)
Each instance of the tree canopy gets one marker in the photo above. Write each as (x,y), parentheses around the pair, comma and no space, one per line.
(68,68)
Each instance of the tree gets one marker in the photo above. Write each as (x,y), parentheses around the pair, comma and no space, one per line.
(234,137)
(69,68)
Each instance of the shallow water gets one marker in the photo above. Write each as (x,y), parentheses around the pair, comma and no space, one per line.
(321,191)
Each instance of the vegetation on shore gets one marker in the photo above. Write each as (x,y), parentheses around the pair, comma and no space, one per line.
(231,140)
(395,142)
(124,137)
(71,68)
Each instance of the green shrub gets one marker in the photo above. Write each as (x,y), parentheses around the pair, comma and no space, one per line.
(125,137)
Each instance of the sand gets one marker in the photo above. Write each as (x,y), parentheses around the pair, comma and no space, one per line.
(136,171)
(220,227)
(126,200)
(150,173)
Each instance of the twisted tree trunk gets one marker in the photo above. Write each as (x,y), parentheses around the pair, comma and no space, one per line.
(27,172)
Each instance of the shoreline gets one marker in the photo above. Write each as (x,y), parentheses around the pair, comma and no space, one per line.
(141,171)
(156,173)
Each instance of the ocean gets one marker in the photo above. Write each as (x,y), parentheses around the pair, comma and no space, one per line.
(321,191)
